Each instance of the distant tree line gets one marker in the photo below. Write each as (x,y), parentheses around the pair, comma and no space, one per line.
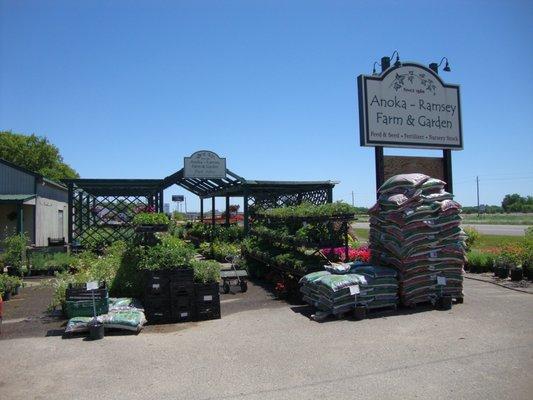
(511,203)
(35,153)
(516,203)
(485,209)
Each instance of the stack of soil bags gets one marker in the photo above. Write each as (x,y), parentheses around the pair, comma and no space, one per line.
(124,313)
(381,288)
(356,285)
(415,228)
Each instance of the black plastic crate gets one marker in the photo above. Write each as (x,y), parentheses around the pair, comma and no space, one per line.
(157,286)
(183,275)
(182,314)
(205,293)
(208,311)
(158,315)
(182,301)
(156,302)
(181,289)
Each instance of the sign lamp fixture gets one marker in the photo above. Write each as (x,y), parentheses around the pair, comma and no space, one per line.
(397,63)
(435,67)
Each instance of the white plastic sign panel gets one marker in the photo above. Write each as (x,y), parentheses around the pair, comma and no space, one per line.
(204,164)
(354,289)
(409,106)
(441,280)
(92,285)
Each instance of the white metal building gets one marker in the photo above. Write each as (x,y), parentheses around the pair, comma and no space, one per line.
(32,204)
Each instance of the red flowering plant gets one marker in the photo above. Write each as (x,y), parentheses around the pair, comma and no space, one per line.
(339,254)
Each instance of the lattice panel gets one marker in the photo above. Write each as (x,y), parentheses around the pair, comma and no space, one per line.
(270,200)
(104,219)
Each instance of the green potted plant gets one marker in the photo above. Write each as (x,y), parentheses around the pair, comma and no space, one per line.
(6,287)
(16,284)
(505,261)
(15,253)
(150,222)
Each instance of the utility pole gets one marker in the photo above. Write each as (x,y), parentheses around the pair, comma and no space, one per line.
(477,187)
(353,199)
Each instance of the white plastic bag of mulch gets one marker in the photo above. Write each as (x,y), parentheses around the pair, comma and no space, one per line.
(131,320)
(79,324)
(338,268)
(402,183)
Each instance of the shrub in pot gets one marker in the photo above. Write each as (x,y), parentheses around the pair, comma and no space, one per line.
(206,271)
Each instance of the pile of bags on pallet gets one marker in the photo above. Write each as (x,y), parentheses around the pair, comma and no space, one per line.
(124,313)
(341,288)
(415,228)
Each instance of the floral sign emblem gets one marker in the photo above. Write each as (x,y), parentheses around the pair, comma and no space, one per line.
(420,78)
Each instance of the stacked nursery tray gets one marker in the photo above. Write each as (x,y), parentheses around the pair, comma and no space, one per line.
(169,295)
(172,296)
(415,228)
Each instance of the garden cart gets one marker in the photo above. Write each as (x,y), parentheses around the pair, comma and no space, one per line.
(233,276)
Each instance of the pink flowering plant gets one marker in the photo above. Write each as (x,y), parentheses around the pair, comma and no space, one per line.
(339,254)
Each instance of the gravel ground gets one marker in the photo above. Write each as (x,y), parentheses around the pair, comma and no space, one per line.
(26,314)
(267,349)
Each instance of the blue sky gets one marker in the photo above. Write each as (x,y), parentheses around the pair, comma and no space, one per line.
(128,88)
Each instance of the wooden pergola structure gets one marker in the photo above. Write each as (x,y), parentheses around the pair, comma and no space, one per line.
(111,203)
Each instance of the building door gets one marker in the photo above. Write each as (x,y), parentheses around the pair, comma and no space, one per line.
(60,224)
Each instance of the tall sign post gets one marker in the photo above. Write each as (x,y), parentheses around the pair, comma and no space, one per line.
(408,105)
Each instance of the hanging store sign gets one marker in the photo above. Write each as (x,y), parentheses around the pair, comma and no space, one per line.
(204,164)
(409,106)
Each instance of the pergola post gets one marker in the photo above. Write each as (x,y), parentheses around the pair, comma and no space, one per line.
(201,209)
(20,219)
(213,210)
(79,211)
(246,222)
(161,200)
(227,210)
(330,195)
(70,210)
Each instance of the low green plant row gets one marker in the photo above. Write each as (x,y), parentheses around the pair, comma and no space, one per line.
(55,261)
(146,218)
(309,210)
(480,262)
(218,250)
(199,230)
(298,261)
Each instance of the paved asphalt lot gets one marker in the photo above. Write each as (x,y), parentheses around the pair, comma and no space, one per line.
(505,230)
(267,349)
